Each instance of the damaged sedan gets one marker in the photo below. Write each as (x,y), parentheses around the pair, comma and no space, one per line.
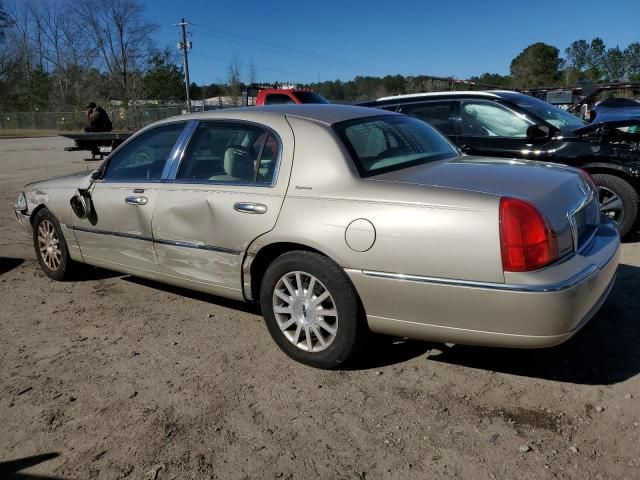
(338,221)
(513,125)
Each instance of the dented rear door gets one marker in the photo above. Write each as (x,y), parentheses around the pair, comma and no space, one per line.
(205,218)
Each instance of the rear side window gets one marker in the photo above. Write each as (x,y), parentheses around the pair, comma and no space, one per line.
(144,157)
(277,99)
(386,143)
(440,115)
(222,152)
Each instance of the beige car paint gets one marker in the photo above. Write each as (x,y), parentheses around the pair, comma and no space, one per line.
(113,214)
(422,230)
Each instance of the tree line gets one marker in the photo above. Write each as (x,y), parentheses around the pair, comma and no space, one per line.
(59,54)
(538,65)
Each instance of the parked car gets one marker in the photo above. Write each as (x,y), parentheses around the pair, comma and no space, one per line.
(256,95)
(618,109)
(373,222)
(514,125)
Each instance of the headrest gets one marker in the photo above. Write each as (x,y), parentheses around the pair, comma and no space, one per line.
(238,163)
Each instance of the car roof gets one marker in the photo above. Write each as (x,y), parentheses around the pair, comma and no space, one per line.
(438,94)
(323,113)
(416,97)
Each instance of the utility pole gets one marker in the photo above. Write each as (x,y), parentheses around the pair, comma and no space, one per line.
(185,47)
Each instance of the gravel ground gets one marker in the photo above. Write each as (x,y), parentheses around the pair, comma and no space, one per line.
(111,377)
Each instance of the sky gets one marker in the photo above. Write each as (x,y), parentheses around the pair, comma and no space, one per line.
(298,41)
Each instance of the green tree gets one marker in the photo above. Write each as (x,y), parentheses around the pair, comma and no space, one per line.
(614,65)
(39,90)
(632,61)
(596,59)
(536,66)
(163,80)
(492,80)
(577,55)
(394,84)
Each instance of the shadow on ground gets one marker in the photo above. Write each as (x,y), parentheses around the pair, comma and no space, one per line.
(86,273)
(203,297)
(604,352)
(11,470)
(8,264)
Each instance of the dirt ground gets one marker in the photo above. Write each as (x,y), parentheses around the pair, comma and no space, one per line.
(112,377)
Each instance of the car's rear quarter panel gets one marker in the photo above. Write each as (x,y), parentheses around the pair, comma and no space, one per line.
(418,230)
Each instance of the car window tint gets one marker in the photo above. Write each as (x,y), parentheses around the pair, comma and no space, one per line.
(144,157)
(391,142)
(230,153)
(437,114)
(268,161)
(490,119)
(277,99)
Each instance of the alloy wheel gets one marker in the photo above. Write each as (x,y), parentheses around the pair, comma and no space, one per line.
(305,311)
(611,204)
(49,245)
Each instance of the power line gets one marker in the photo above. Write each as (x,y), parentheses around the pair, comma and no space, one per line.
(263,45)
(279,49)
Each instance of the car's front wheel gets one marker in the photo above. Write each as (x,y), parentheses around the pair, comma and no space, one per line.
(312,310)
(51,248)
(618,201)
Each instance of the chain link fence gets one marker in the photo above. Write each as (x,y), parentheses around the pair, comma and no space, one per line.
(122,118)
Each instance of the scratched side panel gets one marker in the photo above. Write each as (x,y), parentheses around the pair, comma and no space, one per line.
(200,236)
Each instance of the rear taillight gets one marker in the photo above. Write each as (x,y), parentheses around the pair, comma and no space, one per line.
(526,239)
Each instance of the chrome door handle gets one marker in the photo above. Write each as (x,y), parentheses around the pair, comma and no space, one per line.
(247,207)
(136,200)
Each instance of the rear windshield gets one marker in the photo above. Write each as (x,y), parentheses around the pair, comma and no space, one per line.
(392,142)
(310,97)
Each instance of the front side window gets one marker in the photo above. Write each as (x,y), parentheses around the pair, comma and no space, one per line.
(439,115)
(144,157)
(563,121)
(278,99)
(386,143)
(490,119)
(230,153)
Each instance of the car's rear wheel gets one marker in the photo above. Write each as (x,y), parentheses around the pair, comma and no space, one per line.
(618,201)
(51,248)
(312,310)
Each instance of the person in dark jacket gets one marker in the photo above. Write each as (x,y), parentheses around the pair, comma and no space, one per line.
(97,119)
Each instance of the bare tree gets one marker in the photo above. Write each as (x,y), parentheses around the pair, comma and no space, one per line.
(122,40)
(234,83)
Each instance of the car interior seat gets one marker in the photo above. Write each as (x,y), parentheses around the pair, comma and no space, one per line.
(239,165)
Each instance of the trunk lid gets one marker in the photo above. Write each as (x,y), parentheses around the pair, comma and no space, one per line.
(558,191)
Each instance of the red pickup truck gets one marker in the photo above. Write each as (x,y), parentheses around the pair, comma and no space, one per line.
(259,95)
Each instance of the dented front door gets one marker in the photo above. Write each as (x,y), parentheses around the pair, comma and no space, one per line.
(228,191)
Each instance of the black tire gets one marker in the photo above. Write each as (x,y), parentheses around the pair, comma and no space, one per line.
(627,194)
(351,328)
(65,266)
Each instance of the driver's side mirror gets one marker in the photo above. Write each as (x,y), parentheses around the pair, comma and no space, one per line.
(81,204)
(538,133)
